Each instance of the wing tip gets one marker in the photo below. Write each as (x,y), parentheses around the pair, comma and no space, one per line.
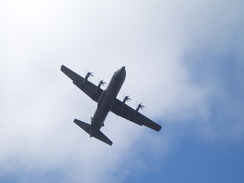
(62,67)
(159,128)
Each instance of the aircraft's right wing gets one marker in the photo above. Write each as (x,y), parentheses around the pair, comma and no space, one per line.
(86,86)
(125,111)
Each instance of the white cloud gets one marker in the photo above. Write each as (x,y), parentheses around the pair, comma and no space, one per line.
(38,102)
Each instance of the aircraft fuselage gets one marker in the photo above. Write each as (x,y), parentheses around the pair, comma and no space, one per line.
(107,100)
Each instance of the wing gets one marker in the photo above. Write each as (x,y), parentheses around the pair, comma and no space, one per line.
(86,86)
(123,110)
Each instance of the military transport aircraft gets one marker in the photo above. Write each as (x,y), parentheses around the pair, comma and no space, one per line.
(107,101)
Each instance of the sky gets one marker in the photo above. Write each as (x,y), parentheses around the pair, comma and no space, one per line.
(184,62)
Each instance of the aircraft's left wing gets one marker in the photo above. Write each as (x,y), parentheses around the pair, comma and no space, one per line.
(125,111)
(86,86)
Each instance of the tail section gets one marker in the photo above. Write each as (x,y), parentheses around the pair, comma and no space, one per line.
(93,133)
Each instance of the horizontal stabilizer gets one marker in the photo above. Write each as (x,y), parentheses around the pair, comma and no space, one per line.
(100,136)
(83,125)
(93,133)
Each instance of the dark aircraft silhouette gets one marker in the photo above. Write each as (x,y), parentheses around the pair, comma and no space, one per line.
(107,101)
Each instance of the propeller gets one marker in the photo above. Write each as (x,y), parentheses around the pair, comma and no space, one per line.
(127,98)
(88,75)
(140,106)
(101,83)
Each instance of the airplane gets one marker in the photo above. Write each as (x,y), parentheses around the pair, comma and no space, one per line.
(107,101)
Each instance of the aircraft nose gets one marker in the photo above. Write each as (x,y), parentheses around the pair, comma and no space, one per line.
(122,71)
(123,68)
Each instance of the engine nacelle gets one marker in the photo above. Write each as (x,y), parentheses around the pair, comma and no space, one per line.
(101,83)
(88,75)
(140,106)
(127,98)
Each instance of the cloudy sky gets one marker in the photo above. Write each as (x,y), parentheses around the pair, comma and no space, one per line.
(184,61)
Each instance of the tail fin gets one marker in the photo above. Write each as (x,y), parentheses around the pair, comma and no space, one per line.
(97,134)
